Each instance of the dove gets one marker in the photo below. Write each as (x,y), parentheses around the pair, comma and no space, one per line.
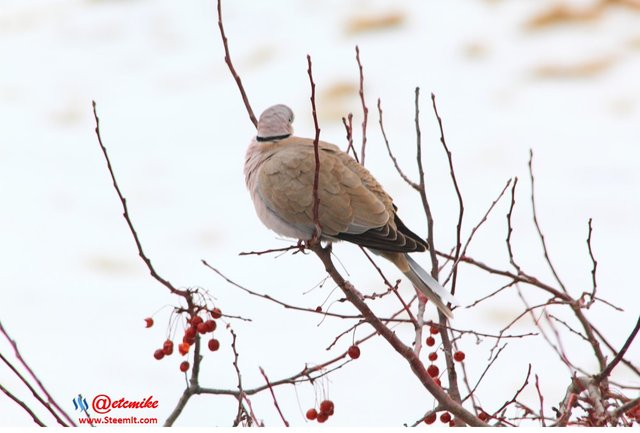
(279,173)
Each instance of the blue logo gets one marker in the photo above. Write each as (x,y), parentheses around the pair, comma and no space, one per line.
(80,403)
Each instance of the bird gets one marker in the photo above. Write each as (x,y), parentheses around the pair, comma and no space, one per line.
(279,174)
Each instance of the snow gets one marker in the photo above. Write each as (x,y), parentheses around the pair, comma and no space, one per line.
(74,291)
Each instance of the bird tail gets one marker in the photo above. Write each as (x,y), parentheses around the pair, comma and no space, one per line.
(430,287)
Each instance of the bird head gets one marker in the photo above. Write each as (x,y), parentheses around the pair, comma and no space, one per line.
(275,123)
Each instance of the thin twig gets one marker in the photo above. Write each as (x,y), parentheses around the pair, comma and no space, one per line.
(406,352)
(50,400)
(34,392)
(241,393)
(537,224)
(236,77)
(273,395)
(473,232)
(486,369)
(541,398)
(316,153)
(512,259)
(513,399)
(365,110)
(609,368)
(277,301)
(595,265)
(348,126)
(613,350)
(392,288)
(23,405)
(127,217)
(452,172)
(404,177)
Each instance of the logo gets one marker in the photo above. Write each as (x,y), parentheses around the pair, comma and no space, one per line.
(80,403)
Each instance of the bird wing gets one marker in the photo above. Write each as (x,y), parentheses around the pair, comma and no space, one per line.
(353,205)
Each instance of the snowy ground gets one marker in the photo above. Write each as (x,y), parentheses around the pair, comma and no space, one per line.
(74,292)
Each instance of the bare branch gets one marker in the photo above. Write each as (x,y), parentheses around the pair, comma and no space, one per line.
(614,351)
(273,395)
(236,77)
(458,194)
(486,369)
(414,362)
(404,177)
(539,230)
(365,110)
(513,399)
(541,398)
(474,230)
(512,259)
(595,265)
(422,187)
(316,152)
(609,368)
(123,201)
(348,126)
(51,403)
(23,405)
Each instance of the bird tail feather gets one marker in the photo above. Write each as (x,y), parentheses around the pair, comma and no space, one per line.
(430,287)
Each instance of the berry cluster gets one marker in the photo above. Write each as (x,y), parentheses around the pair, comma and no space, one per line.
(326,410)
(196,325)
(433,370)
(445,418)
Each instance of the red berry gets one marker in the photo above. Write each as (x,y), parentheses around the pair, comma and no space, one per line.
(327,407)
(196,320)
(312,414)
(483,416)
(452,423)
(183,348)
(318,309)
(202,328)
(322,417)
(190,332)
(184,366)
(354,352)
(433,356)
(149,322)
(434,329)
(431,418)
(433,370)
(158,354)
(216,313)
(214,345)
(211,325)
(458,356)
(167,347)
(437,381)
(430,341)
(445,417)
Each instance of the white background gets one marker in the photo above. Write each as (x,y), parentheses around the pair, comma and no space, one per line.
(74,293)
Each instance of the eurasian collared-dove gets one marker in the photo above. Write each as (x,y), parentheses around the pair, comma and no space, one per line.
(279,172)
